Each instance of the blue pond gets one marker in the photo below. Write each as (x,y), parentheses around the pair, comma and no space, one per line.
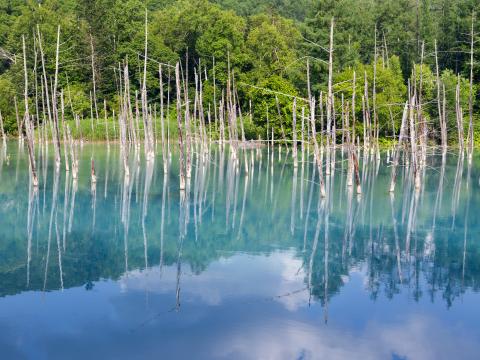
(243,265)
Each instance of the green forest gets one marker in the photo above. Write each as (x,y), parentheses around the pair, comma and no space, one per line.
(267,44)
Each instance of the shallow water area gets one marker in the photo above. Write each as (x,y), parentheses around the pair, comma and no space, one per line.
(250,262)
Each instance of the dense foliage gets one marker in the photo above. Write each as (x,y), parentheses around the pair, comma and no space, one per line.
(267,42)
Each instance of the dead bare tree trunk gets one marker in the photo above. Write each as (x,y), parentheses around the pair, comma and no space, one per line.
(162,124)
(65,149)
(398,147)
(148,136)
(441,116)
(354,88)
(55,102)
(106,123)
(374,94)
(318,157)
(180,132)
(72,154)
(294,130)
(93,77)
(19,122)
(470,96)
(4,138)
(330,84)
(28,128)
(459,116)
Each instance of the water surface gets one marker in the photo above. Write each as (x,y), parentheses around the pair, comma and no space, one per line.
(243,266)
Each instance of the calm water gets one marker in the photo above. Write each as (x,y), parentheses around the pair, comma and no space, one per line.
(243,267)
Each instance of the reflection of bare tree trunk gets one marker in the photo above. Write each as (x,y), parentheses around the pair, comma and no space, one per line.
(352,226)
(371,194)
(302,178)
(438,199)
(467,212)
(187,209)
(348,221)
(314,250)
(395,233)
(259,156)
(125,215)
(307,215)
(411,219)
(235,201)
(272,156)
(59,252)
(365,167)
(252,162)
(230,188)
(94,203)
(407,184)
(266,174)
(182,222)
(162,222)
(196,193)
(277,194)
(204,180)
(53,215)
(107,170)
(32,205)
(245,188)
(325,264)
(45,173)
(146,191)
(214,164)
(65,207)
(179,274)
(72,205)
(294,200)
(457,187)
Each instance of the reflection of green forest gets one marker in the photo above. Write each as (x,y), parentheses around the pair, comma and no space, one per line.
(360,234)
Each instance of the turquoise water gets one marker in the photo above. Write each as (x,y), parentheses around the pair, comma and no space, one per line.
(253,266)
